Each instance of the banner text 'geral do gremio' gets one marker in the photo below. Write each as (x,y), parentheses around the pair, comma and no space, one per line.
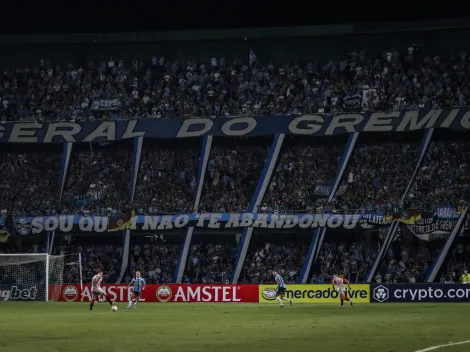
(172,293)
(307,125)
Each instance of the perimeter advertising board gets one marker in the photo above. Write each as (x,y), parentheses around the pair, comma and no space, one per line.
(171,293)
(314,293)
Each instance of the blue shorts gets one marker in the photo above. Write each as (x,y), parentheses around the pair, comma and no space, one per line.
(137,293)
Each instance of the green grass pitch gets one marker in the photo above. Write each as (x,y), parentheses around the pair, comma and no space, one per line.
(41,326)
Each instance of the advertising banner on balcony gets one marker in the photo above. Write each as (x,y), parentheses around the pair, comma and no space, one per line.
(315,293)
(247,126)
(419,293)
(171,293)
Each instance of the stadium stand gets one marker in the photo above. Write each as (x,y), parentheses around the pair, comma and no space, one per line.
(375,179)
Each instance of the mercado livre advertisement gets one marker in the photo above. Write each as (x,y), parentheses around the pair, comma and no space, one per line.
(315,293)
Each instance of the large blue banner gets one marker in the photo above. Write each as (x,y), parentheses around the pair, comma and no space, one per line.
(77,223)
(311,125)
(419,293)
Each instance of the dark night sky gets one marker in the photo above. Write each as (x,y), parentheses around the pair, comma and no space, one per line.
(80,16)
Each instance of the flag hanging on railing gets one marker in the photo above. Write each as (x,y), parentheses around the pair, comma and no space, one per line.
(252,56)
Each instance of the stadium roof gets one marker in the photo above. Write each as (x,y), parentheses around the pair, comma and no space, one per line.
(79,17)
(234,33)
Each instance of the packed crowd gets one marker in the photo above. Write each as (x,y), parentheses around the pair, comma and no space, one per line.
(30,182)
(304,169)
(232,175)
(286,256)
(352,257)
(212,260)
(94,256)
(444,177)
(155,259)
(161,88)
(408,262)
(210,263)
(98,181)
(458,262)
(166,183)
(377,175)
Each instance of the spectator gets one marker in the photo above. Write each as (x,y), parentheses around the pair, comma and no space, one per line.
(232,175)
(167,178)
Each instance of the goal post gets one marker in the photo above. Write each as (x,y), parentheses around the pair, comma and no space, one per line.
(37,277)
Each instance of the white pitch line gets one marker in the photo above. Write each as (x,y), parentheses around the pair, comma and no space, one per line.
(432,348)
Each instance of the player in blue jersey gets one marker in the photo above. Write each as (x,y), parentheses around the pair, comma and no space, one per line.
(281,289)
(139,286)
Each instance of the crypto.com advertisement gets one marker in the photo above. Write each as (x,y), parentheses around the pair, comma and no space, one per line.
(420,293)
(162,293)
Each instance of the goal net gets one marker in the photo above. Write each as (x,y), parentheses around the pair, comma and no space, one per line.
(37,277)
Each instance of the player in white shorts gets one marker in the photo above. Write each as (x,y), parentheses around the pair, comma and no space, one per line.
(96,289)
(339,285)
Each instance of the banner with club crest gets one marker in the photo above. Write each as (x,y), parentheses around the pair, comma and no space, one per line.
(419,223)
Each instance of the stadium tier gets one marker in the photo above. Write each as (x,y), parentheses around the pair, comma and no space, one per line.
(218,170)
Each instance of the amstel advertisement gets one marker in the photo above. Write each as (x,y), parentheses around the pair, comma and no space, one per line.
(314,293)
(163,293)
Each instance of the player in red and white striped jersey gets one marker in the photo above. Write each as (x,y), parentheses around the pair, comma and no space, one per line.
(96,289)
(339,285)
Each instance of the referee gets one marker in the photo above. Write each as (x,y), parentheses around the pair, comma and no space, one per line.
(465,278)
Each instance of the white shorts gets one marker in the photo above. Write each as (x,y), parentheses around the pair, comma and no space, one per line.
(98,292)
(341,290)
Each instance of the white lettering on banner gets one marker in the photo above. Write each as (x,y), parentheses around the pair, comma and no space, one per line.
(214,220)
(181,221)
(310,128)
(380,122)
(184,129)
(24,132)
(465,120)
(165,223)
(207,294)
(322,124)
(115,293)
(16,293)
(67,131)
(250,126)
(65,223)
(410,121)
(105,130)
(420,294)
(130,131)
(346,122)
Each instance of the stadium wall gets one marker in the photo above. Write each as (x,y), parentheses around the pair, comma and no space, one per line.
(249,293)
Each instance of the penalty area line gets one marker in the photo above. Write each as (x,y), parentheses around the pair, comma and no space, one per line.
(432,348)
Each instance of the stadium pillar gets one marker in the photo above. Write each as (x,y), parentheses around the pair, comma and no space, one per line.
(203,160)
(427,137)
(263,183)
(343,163)
(66,152)
(125,254)
(137,153)
(434,270)
(383,250)
(319,234)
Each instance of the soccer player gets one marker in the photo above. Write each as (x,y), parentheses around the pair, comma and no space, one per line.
(96,289)
(338,285)
(281,289)
(139,286)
